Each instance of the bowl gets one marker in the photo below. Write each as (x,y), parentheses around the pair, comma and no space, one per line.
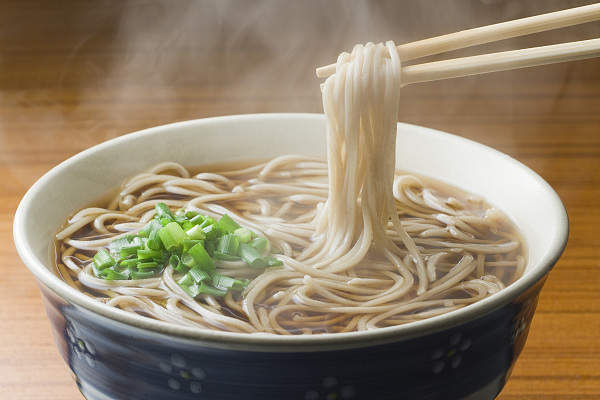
(464,354)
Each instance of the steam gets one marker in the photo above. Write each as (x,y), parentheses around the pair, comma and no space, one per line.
(106,68)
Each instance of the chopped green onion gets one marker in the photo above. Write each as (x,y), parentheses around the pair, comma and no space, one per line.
(165,221)
(197,219)
(186,280)
(115,246)
(180,216)
(130,250)
(142,274)
(227,225)
(273,262)
(193,290)
(228,244)
(205,289)
(198,275)
(260,244)
(201,257)
(163,212)
(172,236)
(152,226)
(147,265)
(132,262)
(189,243)
(225,282)
(186,225)
(251,256)
(112,275)
(210,231)
(154,242)
(243,234)
(188,260)
(196,233)
(174,260)
(207,221)
(149,254)
(210,247)
(225,257)
(103,260)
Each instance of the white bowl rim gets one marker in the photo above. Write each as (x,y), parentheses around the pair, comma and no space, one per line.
(270,342)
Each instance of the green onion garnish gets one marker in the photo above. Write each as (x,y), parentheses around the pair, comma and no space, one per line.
(198,275)
(260,244)
(146,254)
(243,234)
(251,256)
(163,212)
(147,265)
(103,260)
(142,274)
(172,236)
(195,232)
(228,244)
(201,258)
(192,244)
(227,225)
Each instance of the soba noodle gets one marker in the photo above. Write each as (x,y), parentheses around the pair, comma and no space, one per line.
(363,246)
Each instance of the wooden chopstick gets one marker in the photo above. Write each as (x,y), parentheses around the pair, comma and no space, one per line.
(490,33)
(502,61)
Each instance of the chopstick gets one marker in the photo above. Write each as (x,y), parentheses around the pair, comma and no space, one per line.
(490,33)
(502,61)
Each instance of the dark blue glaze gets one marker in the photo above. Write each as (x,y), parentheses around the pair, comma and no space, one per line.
(112,360)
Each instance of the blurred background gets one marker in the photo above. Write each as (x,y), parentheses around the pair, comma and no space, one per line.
(76,73)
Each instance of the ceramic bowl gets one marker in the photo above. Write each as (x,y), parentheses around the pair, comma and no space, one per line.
(465,354)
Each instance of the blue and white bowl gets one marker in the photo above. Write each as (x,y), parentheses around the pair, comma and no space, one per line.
(465,354)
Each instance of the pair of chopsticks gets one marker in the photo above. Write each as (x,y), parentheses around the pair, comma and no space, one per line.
(501,61)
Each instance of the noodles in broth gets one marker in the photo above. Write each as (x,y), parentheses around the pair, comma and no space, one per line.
(363,246)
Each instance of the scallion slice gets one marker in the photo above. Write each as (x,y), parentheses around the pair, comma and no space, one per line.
(205,289)
(201,257)
(163,211)
(225,282)
(198,275)
(225,257)
(227,225)
(142,274)
(243,234)
(147,265)
(273,262)
(172,236)
(132,262)
(197,219)
(228,244)
(186,280)
(195,232)
(146,254)
(251,256)
(103,260)
(112,275)
(260,244)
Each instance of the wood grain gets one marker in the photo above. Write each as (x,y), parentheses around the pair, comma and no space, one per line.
(73,74)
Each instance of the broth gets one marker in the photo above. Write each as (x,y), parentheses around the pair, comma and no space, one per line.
(450,227)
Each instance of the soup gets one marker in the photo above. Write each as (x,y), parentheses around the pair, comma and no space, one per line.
(296,245)
(469,249)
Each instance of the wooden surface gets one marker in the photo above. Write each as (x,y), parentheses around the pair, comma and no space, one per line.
(73,74)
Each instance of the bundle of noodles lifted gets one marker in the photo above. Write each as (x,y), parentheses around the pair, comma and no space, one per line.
(295,245)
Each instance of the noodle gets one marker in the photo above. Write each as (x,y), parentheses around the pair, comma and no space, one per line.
(363,245)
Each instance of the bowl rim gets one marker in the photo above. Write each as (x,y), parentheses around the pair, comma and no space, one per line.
(271,342)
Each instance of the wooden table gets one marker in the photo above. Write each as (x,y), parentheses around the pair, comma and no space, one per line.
(73,74)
